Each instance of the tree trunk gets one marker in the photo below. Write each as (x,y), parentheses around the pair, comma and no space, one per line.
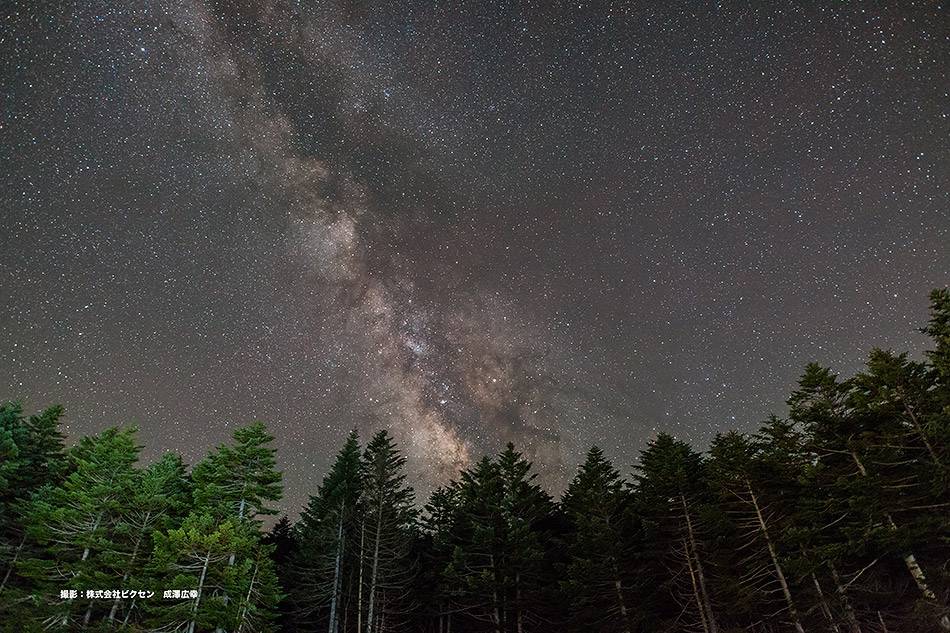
(375,571)
(16,555)
(128,614)
(823,602)
(201,583)
(623,606)
(233,555)
(692,578)
(713,628)
(912,566)
(85,555)
(920,432)
(240,518)
(359,589)
(496,612)
(880,618)
(848,611)
(519,614)
(247,599)
(95,526)
(334,626)
(125,576)
(792,611)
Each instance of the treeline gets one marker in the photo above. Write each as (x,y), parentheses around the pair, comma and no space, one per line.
(835,519)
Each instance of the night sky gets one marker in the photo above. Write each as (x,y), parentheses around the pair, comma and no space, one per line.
(469,222)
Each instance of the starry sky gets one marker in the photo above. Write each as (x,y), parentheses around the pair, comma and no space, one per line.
(469,222)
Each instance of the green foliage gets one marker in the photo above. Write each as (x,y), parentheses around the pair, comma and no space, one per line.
(240,479)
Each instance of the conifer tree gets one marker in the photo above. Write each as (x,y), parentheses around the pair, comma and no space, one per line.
(236,483)
(285,551)
(194,558)
(524,505)
(938,328)
(474,576)
(31,459)
(158,499)
(254,584)
(858,517)
(75,523)
(31,453)
(598,576)
(744,479)
(387,521)
(497,565)
(240,480)
(669,487)
(325,562)
(439,522)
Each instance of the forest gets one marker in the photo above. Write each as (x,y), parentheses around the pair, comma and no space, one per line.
(835,518)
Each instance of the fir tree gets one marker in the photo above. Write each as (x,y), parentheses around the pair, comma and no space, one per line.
(194,557)
(31,456)
(669,487)
(497,564)
(240,480)
(387,522)
(938,328)
(744,482)
(158,499)
(237,482)
(75,523)
(598,576)
(325,562)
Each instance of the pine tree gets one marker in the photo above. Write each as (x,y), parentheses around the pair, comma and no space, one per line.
(744,481)
(158,500)
(598,576)
(669,488)
(325,561)
(31,456)
(75,522)
(237,482)
(387,522)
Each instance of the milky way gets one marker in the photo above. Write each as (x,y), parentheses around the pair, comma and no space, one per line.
(551,224)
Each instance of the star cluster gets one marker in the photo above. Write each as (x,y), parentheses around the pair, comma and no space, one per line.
(550,223)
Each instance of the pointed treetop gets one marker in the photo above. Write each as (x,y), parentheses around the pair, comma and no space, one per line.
(668,467)
(938,328)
